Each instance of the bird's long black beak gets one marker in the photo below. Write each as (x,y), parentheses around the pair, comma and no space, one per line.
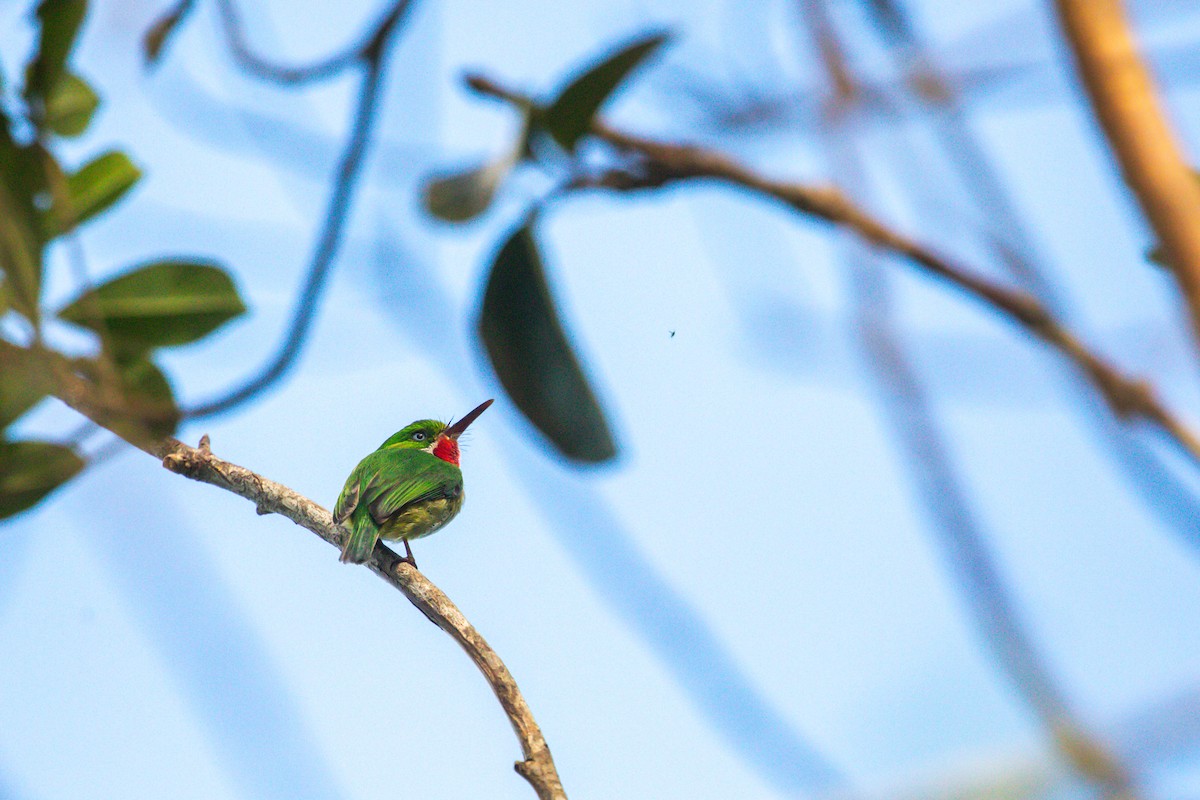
(457,428)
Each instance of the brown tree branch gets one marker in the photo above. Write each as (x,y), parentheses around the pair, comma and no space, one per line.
(269,497)
(1016,249)
(1126,105)
(907,408)
(664,163)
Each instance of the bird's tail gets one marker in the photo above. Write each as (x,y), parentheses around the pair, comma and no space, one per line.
(360,542)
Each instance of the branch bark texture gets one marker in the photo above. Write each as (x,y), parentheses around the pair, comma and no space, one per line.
(1126,105)
(269,497)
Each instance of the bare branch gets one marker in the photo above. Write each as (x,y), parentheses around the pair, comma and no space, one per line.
(1126,105)
(664,163)
(269,497)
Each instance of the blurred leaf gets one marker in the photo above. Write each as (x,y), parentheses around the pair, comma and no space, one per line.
(150,396)
(5,305)
(163,28)
(31,470)
(23,383)
(532,357)
(96,186)
(70,106)
(20,256)
(149,401)
(59,22)
(22,179)
(570,115)
(462,196)
(160,304)
(100,183)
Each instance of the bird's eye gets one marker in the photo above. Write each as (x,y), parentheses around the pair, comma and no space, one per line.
(419,436)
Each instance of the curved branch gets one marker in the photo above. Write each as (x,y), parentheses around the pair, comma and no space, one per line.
(1126,105)
(1169,498)
(317,71)
(663,163)
(269,497)
(353,155)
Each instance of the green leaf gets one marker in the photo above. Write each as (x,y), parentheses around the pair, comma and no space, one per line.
(570,114)
(148,401)
(20,257)
(88,192)
(23,384)
(163,28)
(160,304)
(532,356)
(31,470)
(462,196)
(151,399)
(70,106)
(58,24)
(93,188)
(100,183)
(22,179)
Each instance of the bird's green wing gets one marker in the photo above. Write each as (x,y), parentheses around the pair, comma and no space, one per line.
(348,500)
(408,478)
(358,543)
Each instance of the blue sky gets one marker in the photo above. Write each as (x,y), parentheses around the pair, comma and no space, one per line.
(746,603)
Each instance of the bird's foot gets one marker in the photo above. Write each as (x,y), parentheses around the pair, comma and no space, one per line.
(408,556)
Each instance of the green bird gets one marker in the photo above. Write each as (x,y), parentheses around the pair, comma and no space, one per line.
(408,488)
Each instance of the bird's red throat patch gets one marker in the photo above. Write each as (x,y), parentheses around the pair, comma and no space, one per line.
(446,449)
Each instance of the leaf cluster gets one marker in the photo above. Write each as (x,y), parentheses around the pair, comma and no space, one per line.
(165,302)
(172,301)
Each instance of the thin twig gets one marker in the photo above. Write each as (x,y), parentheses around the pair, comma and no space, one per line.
(665,163)
(1126,105)
(912,419)
(269,497)
(936,92)
(371,53)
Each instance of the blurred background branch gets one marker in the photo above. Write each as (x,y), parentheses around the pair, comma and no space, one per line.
(585,302)
(664,163)
(371,56)
(936,480)
(937,101)
(1126,104)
